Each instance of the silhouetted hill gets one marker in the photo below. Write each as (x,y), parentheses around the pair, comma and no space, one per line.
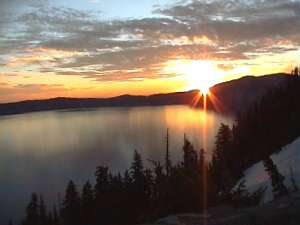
(76,103)
(235,95)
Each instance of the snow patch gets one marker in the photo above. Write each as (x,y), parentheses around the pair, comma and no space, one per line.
(170,220)
(285,160)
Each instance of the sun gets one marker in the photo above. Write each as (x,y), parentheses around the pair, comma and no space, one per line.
(199,74)
(204,89)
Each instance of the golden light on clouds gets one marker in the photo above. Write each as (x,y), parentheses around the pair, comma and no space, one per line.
(41,56)
(75,52)
(185,40)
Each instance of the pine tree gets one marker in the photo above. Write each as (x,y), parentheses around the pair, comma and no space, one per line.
(279,189)
(138,184)
(167,157)
(102,195)
(116,201)
(137,174)
(137,168)
(71,206)
(88,204)
(190,157)
(128,194)
(187,179)
(102,181)
(32,211)
(160,188)
(220,170)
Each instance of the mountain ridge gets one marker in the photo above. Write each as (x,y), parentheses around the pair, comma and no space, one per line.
(235,95)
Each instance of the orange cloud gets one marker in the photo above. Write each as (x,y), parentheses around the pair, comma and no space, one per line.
(41,56)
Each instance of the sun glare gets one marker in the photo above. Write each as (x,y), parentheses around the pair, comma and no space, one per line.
(199,74)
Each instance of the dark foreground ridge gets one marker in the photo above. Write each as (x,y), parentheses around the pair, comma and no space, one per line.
(283,211)
(235,96)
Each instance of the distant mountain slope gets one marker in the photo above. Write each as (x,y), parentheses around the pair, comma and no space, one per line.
(235,95)
(179,98)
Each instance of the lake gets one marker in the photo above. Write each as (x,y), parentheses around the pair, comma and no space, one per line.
(40,152)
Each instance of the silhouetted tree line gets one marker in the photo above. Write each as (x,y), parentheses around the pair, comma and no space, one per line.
(139,194)
(269,124)
(37,213)
(143,194)
(264,129)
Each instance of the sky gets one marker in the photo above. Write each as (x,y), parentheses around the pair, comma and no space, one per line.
(102,48)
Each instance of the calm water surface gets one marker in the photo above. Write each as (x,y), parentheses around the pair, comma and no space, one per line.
(40,152)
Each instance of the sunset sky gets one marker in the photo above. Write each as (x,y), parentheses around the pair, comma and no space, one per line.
(101,48)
